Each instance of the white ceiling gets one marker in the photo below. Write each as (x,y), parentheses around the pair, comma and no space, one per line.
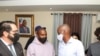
(54,8)
(45,5)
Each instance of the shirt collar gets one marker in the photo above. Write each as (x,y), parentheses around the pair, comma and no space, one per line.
(4,42)
(70,40)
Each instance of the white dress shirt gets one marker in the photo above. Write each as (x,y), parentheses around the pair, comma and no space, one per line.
(8,46)
(72,48)
(38,49)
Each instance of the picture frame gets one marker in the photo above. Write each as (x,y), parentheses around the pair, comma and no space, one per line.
(25,24)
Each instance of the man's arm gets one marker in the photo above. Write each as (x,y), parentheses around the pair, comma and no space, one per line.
(89,52)
(30,51)
(53,52)
(80,50)
(29,41)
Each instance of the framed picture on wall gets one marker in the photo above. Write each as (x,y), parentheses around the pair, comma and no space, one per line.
(25,24)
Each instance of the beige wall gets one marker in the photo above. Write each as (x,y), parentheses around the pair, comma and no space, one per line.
(40,18)
(44,19)
(95,24)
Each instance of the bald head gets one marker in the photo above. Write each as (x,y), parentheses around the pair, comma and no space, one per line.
(63,28)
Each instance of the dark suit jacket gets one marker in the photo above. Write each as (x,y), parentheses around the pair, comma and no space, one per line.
(94,49)
(29,42)
(4,51)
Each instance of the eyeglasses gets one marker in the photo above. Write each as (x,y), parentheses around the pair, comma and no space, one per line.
(14,31)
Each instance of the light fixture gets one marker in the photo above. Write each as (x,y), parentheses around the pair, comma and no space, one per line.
(6,9)
(50,8)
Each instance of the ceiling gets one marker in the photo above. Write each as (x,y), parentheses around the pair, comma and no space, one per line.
(50,8)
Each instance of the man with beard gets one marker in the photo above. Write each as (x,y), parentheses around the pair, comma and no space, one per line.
(40,46)
(8,40)
(32,37)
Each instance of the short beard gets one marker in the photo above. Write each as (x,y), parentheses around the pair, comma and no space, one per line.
(42,40)
(15,38)
(10,38)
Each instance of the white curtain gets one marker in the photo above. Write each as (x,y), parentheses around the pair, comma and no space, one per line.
(58,20)
(86,29)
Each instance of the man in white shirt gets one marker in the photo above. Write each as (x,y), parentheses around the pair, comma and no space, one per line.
(40,46)
(68,46)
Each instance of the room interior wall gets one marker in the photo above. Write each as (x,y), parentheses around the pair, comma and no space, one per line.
(40,18)
(43,18)
(95,24)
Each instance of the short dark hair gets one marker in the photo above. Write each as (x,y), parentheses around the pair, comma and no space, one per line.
(97,31)
(40,29)
(75,34)
(5,26)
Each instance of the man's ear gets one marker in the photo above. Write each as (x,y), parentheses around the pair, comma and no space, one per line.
(5,33)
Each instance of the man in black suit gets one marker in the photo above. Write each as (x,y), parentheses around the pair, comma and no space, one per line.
(8,39)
